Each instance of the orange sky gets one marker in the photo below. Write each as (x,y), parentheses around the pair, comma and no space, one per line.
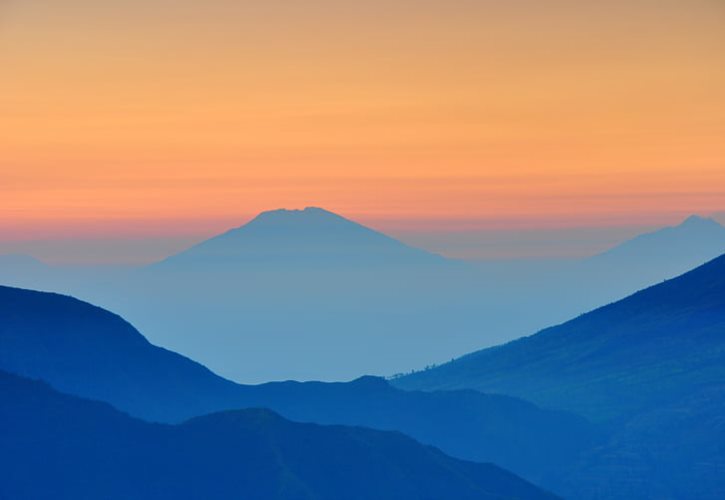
(171,117)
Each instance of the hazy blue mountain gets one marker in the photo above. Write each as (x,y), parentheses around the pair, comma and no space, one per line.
(19,266)
(320,297)
(317,295)
(694,241)
(554,290)
(58,446)
(655,346)
(653,257)
(87,351)
(289,238)
(20,261)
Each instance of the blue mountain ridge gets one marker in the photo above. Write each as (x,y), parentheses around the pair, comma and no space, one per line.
(86,351)
(58,446)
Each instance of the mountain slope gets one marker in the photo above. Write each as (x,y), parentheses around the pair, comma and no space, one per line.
(20,262)
(694,241)
(509,432)
(86,351)
(21,267)
(674,450)
(652,257)
(58,446)
(652,366)
(653,347)
(309,237)
(299,279)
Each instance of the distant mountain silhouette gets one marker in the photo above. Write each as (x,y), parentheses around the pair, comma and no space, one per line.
(561,290)
(20,260)
(18,266)
(86,351)
(309,237)
(663,254)
(696,238)
(322,298)
(289,282)
(58,446)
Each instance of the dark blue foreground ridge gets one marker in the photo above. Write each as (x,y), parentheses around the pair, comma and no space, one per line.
(58,446)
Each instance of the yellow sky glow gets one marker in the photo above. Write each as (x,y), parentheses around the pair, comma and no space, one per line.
(132,115)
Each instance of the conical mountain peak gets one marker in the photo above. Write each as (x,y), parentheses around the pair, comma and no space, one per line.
(310,236)
(697,221)
(306,216)
(307,212)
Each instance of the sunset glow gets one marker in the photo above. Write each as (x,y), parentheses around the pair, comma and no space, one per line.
(132,118)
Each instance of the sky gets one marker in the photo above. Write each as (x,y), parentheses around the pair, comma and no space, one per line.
(167,121)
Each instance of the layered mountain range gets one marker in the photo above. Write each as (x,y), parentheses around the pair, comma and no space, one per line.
(86,351)
(624,401)
(57,446)
(321,297)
